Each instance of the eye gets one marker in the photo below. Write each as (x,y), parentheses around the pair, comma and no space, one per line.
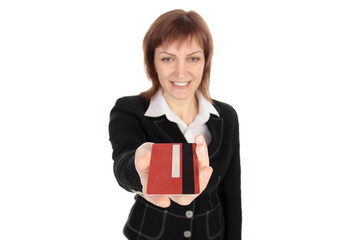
(194,59)
(166,59)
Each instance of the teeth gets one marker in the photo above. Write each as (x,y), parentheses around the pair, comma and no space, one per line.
(181,84)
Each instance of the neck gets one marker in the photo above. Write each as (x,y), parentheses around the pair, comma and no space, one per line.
(185,109)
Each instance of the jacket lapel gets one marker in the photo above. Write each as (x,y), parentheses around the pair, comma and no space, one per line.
(170,130)
(215,125)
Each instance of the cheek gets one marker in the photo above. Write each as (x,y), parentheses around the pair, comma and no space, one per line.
(200,72)
(162,75)
(158,70)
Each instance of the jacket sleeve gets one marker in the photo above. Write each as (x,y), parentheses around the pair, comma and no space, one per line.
(231,191)
(126,135)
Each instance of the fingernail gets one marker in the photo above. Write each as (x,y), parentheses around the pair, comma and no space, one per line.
(201,139)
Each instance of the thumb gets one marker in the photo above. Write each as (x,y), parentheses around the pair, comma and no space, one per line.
(204,176)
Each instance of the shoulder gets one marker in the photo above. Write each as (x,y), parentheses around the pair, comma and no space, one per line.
(131,104)
(225,110)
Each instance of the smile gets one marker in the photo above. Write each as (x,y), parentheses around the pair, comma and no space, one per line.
(181,84)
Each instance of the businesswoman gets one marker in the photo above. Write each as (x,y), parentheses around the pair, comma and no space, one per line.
(178,49)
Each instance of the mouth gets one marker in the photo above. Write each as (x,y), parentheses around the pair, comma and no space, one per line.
(180,84)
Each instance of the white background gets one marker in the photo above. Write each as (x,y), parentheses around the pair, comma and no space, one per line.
(289,68)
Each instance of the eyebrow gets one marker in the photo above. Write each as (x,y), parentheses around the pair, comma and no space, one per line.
(175,55)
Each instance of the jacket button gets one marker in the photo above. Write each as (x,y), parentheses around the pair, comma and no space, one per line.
(187,234)
(189,214)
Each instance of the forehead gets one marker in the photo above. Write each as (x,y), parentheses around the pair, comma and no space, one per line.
(188,45)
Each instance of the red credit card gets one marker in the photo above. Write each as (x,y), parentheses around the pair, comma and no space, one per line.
(173,169)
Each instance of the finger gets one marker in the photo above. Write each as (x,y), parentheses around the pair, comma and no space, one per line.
(204,176)
(142,166)
(142,163)
(143,149)
(184,200)
(201,151)
(200,139)
(160,201)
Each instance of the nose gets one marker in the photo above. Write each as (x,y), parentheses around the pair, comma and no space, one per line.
(181,69)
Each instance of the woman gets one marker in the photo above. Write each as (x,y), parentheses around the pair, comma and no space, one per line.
(177,108)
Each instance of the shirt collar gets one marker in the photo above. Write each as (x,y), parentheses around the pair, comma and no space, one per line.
(158,107)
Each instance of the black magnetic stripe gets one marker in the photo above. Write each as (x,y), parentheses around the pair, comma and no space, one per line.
(187,169)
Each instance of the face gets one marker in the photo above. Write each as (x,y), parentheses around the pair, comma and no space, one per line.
(180,70)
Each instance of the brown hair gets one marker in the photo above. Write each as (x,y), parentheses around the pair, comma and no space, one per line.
(170,27)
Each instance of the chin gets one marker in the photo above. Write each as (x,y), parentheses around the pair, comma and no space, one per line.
(182,96)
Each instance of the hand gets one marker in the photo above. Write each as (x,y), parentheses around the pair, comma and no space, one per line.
(205,171)
(142,165)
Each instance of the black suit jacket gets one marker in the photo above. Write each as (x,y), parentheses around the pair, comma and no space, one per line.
(216,213)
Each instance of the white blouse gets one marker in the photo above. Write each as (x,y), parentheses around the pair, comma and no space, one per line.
(158,107)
